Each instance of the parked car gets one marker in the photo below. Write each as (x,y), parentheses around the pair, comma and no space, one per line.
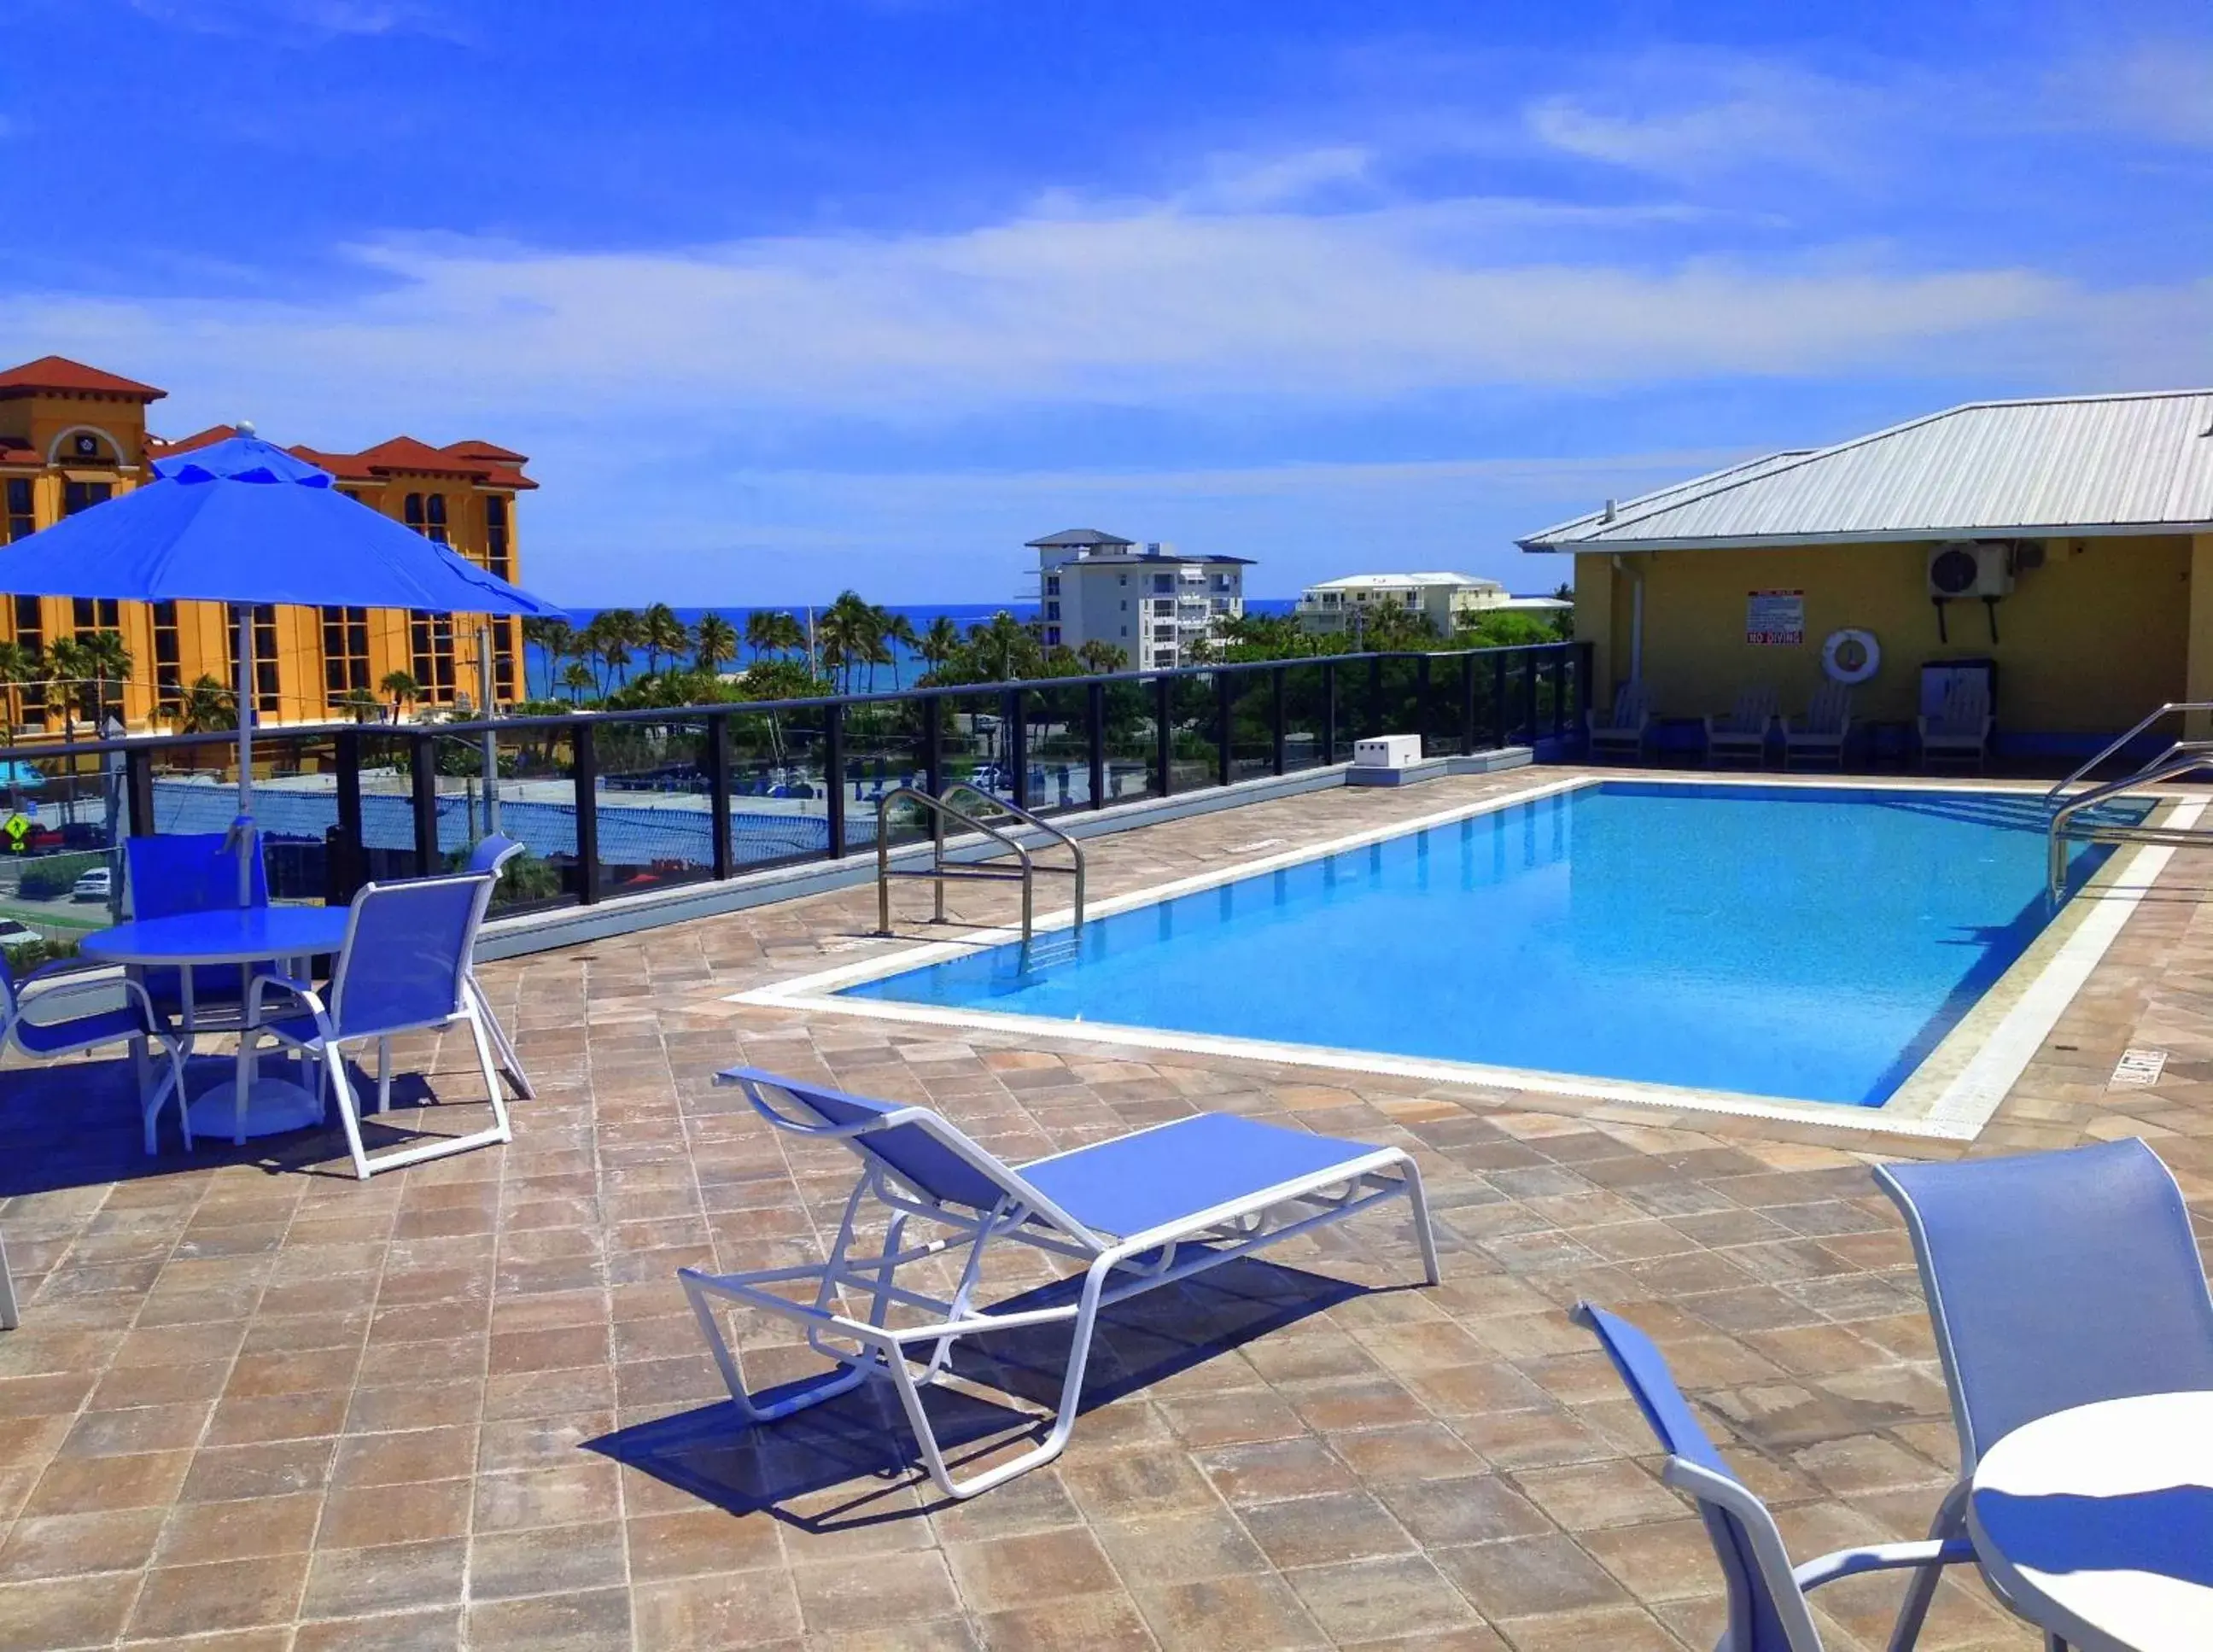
(14,934)
(95,885)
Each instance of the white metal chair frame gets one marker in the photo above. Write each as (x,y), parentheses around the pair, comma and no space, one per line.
(325,1043)
(85,983)
(510,1064)
(1115,1270)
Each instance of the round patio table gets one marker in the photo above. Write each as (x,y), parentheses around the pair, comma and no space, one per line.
(2098,1522)
(252,935)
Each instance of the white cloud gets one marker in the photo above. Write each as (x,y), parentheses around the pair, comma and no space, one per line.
(300,20)
(1681,116)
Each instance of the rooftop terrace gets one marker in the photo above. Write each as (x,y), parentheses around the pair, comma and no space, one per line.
(254,1401)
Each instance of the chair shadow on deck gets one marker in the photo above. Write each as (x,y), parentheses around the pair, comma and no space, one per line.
(862,1438)
(75,1124)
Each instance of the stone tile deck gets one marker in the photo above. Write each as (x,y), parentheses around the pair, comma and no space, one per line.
(256,1403)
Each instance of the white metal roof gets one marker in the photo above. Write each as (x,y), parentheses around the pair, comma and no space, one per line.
(2076,464)
(1373,582)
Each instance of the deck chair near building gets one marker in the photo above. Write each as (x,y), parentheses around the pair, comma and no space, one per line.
(1960,733)
(1742,735)
(1767,1606)
(2054,1280)
(1819,735)
(1621,729)
(1138,1212)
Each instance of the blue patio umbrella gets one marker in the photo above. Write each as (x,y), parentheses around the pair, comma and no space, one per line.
(245,523)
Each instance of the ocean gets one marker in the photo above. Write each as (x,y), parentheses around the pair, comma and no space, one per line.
(963,614)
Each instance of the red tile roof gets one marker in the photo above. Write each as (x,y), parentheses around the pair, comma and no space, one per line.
(14,452)
(487,450)
(478,461)
(163,447)
(52,373)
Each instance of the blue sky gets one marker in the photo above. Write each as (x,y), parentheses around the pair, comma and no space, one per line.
(784,295)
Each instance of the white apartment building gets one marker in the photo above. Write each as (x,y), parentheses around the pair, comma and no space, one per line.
(1335,605)
(1147,600)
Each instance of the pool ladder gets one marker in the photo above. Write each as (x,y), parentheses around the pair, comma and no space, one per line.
(2179,758)
(940,869)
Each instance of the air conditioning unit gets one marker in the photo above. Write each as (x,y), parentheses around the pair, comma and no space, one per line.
(1962,568)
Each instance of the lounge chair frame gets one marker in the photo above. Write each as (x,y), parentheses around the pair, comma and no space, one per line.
(1116,1268)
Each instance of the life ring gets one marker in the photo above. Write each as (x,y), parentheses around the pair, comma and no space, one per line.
(1851,656)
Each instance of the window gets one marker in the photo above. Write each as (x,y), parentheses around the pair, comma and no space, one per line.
(435,507)
(168,666)
(413,508)
(1053,610)
(1164,657)
(91,614)
(432,639)
(1052,584)
(503,659)
(21,521)
(83,496)
(31,637)
(496,537)
(1121,579)
(268,697)
(1163,582)
(1051,635)
(345,651)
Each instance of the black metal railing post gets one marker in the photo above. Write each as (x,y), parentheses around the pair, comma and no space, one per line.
(1467,705)
(138,792)
(1276,716)
(1329,711)
(585,770)
(833,771)
(933,746)
(423,766)
(1014,714)
(1225,701)
(718,793)
(1163,734)
(1095,727)
(1499,728)
(353,841)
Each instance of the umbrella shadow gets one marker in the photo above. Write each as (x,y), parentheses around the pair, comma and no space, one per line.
(2167,1532)
(860,1441)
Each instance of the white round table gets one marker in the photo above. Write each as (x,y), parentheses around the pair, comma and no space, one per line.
(2098,1522)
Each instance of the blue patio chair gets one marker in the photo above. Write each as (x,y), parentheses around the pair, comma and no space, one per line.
(191,872)
(2054,1280)
(488,859)
(1138,1212)
(1768,1611)
(404,968)
(120,1012)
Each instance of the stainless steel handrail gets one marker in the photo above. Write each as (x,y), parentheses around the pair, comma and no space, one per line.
(2180,759)
(2171,706)
(941,811)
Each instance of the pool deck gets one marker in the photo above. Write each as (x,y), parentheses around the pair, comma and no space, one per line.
(256,1402)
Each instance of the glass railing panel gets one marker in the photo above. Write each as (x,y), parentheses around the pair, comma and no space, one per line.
(1194,732)
(974,744)
(61,876)
(1130,738)
(1305,717)
(533,799)
(1398,706)
(650,794)
(883,741)
(1057,738)
(779,793)
(1252,723)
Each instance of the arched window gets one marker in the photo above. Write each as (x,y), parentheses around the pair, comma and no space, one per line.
(415,511)
(437,504)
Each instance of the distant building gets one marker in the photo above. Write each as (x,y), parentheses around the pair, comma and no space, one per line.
(73,437)
(1147,600)
(1335,605)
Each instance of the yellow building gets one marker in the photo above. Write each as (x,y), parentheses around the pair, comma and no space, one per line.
(72,436)
(2068,541)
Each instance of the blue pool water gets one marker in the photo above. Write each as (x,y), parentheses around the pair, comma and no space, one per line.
(1800,942)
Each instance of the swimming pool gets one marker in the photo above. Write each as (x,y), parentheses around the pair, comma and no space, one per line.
(1814,943)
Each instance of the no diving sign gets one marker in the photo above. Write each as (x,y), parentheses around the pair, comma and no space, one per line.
(2138,1069)
(1775,618)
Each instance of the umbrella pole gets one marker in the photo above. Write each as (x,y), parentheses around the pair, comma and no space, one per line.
(242,827)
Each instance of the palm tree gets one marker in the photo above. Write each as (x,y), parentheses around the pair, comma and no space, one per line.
(358,703)
(209,706)
(576,678)
(715,641)
(108,661)
(1003,646)
(1102,658)
(660,631)
(939,642)
(553,638)
(68,670)
(898,633)
(403,688)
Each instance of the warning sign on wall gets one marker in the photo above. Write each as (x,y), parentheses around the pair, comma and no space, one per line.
(1775,618)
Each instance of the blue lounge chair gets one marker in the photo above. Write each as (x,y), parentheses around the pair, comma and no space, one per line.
(404,968)
(1767,1607)
(1138,1212)
(2054,1280)
(487,859)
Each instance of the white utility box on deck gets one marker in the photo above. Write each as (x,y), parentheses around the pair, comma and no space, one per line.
(1388,751)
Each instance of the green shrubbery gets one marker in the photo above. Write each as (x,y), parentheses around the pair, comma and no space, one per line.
(49,877)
